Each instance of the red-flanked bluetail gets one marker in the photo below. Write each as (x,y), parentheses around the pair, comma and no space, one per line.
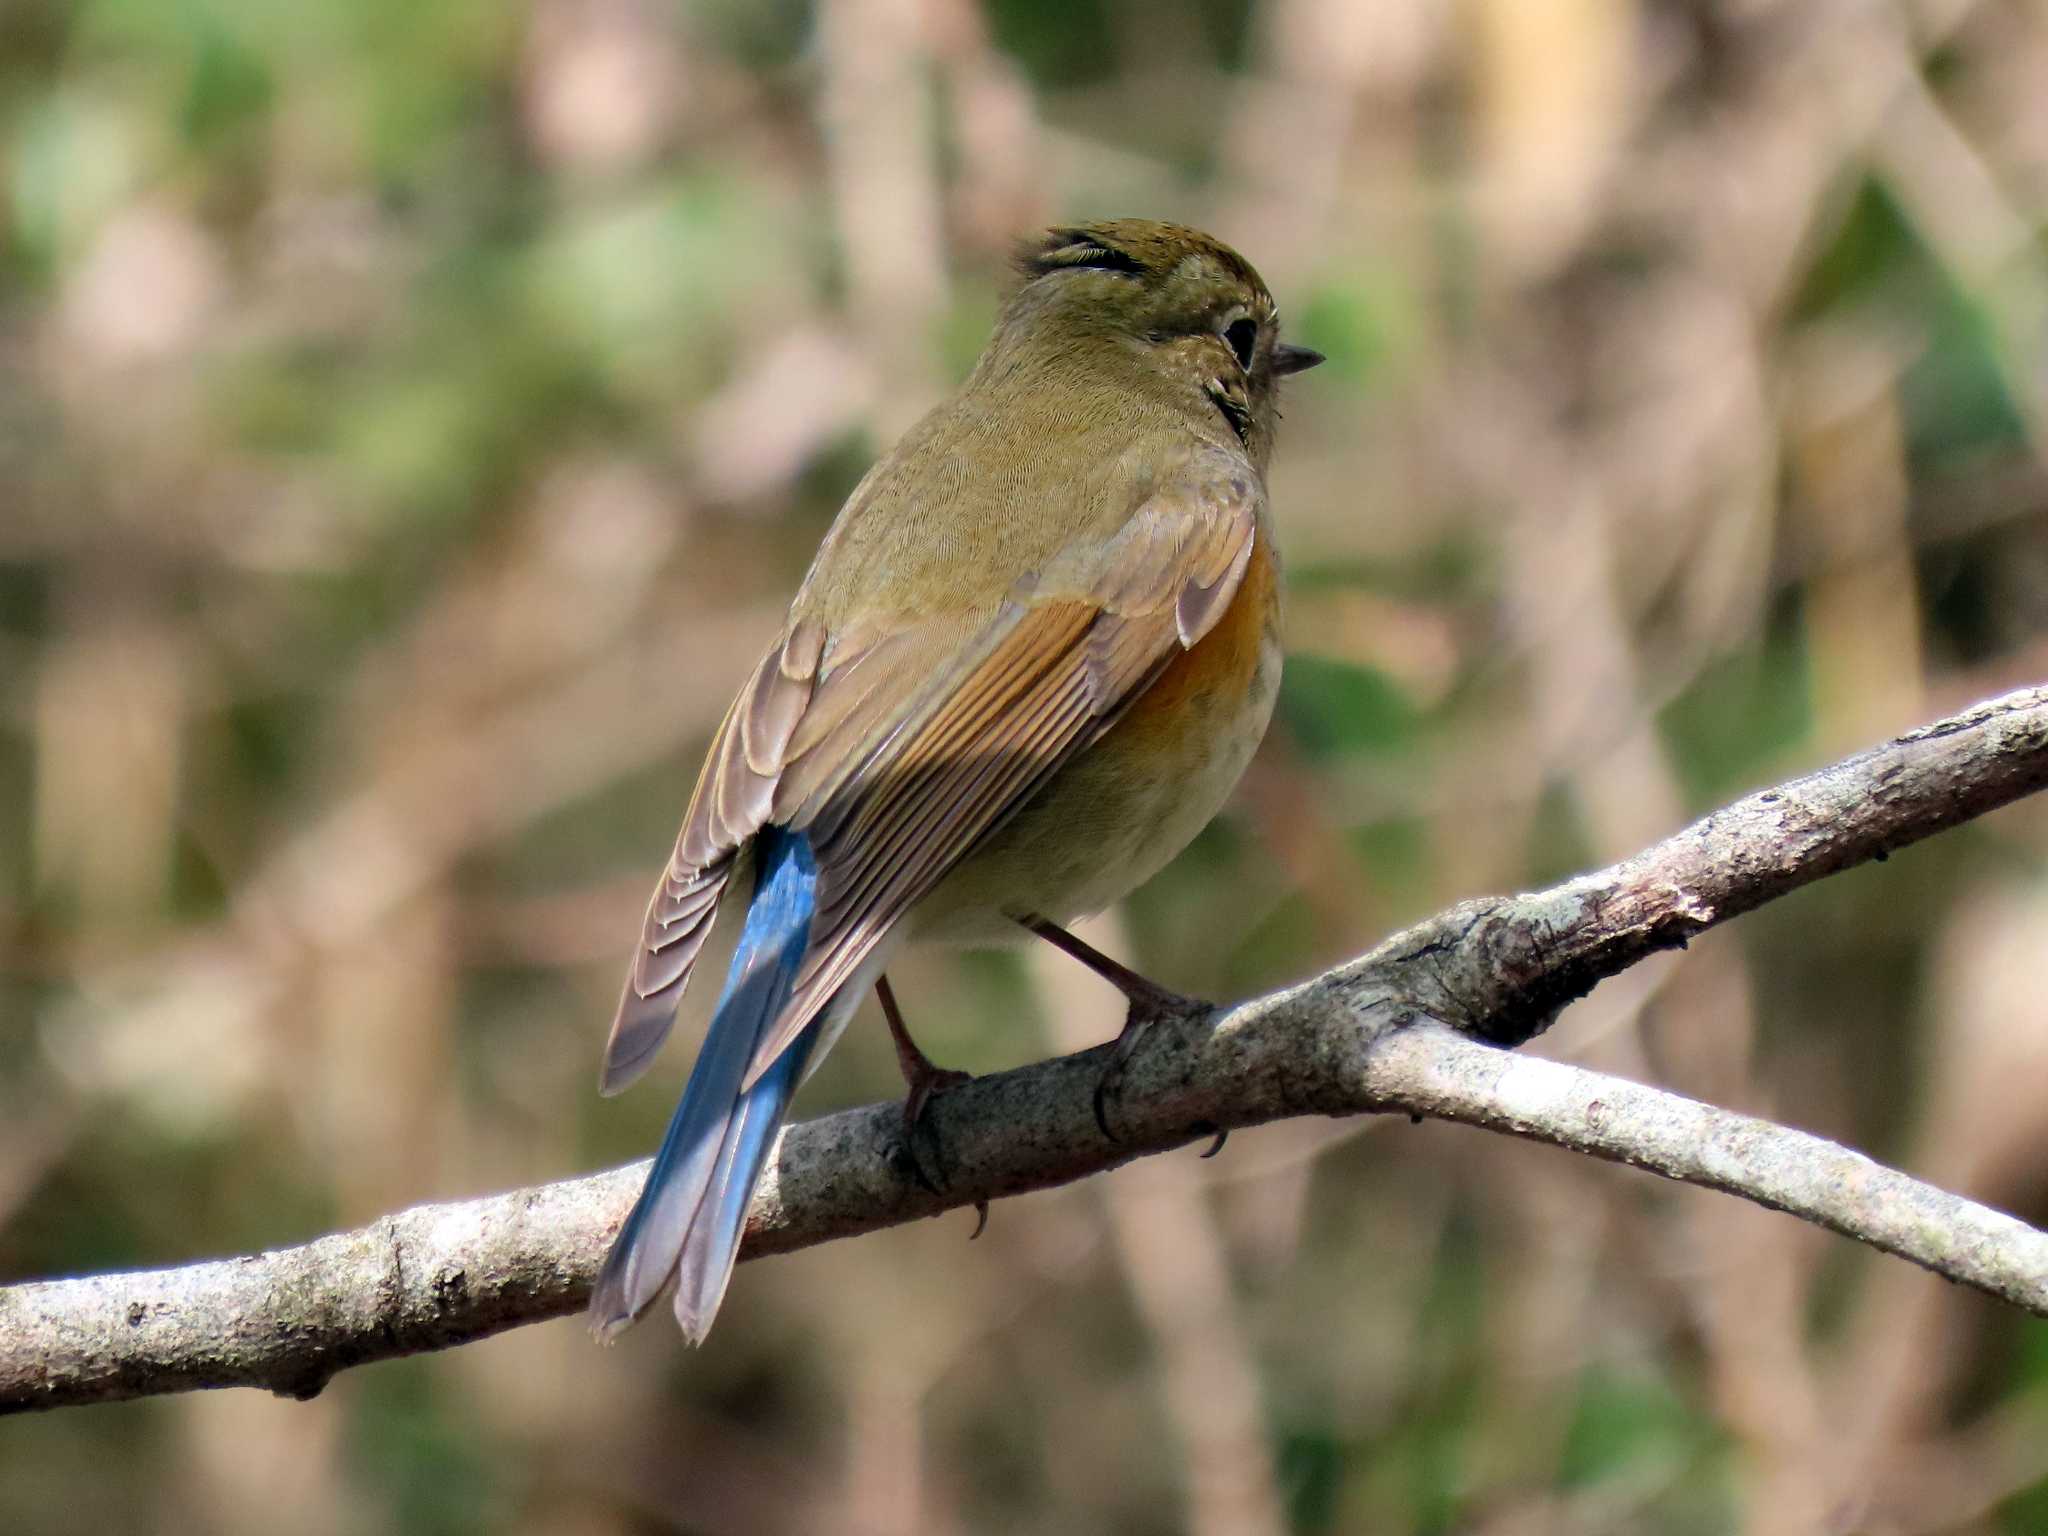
(1033,656)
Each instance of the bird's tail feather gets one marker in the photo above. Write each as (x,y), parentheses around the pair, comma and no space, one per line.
(689,1217)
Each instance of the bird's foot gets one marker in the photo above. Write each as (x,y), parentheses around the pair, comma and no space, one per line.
(918,1130)
(926,1082)
(1150,1004)
(923,1080)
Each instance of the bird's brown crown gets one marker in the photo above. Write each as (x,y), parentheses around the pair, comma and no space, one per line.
(1146,249)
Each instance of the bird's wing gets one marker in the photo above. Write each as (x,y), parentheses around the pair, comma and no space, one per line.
(734,794)
(896,751)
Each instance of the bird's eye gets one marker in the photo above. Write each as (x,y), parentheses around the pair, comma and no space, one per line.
(1243,335)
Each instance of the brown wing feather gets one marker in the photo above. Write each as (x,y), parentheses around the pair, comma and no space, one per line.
(733,796)
(897,751)
(764,753)
(1093,633)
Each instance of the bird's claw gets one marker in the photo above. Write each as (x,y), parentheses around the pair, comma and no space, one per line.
(1110,1081)
(1144,1012)
(934,1182)
(932,1081)
(923,1087)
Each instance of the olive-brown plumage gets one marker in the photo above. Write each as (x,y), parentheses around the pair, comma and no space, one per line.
(1033,655)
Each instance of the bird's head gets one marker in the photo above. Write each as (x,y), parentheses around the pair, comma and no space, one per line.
(1188,304)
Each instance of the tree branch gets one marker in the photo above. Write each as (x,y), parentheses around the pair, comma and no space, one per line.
(1402,1028)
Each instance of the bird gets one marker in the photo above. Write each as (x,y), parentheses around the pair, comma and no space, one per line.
(1033,655)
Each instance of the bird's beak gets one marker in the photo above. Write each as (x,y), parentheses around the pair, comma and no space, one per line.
(1291,359)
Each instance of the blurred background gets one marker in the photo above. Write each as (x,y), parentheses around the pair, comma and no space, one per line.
(413,420)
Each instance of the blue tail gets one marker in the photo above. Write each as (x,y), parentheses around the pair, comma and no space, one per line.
(688,1219)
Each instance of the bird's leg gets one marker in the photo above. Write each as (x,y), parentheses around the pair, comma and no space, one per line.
(920,1076)
(922,1079)
(1149,1003)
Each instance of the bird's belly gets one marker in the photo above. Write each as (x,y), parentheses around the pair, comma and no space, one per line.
(1117,813)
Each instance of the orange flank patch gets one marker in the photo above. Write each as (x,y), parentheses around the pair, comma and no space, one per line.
(1206,688)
